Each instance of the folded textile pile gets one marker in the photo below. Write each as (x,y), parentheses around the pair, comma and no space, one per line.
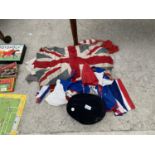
(82,69)
(111,91)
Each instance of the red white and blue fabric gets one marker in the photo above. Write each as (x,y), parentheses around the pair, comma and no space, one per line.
(60,63)
(114,95)
(117,98)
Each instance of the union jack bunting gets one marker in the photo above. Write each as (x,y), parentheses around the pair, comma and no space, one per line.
(53,63)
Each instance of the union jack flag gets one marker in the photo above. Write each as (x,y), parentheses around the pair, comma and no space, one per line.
(53,63)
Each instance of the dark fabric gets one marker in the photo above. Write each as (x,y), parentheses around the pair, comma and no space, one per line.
(86,108)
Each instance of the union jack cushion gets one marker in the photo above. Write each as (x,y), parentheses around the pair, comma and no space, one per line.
(53,63)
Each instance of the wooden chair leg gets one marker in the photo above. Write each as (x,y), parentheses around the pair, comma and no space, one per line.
(73,25)
(6,39)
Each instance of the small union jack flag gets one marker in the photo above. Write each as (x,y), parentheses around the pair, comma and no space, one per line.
(54,63)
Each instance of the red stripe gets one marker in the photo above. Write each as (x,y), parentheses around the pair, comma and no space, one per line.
(99,59)
(125,93)
(43,50)
(45,64)
(116,110)
(94,50)
(90,41)
(88,76)
(118,113)
(48,73)
(74,61)
(72,51)
(56,54)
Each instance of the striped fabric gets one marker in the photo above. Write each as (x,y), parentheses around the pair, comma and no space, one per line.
(122,98)
(60,63)
(100,43)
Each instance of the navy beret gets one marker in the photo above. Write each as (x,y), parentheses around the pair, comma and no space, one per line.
(86,108)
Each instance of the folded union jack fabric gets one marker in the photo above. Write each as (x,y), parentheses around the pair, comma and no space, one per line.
(60,63)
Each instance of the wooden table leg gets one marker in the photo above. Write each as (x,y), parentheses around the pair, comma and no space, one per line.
(6,39)
(73,25)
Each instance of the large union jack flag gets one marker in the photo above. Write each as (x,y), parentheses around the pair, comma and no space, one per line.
(54,63)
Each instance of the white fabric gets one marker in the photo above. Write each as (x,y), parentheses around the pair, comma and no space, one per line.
(106,82)
(99,77)
(30,66)
(93,90)
(57,97)
(102,81)
(70,93)
(42,91)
